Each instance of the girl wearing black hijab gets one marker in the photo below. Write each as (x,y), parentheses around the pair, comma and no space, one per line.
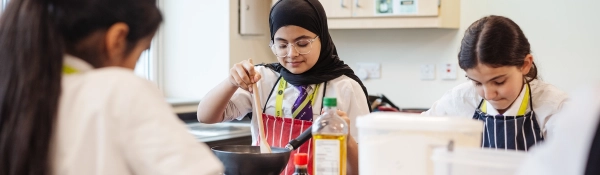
(292,90)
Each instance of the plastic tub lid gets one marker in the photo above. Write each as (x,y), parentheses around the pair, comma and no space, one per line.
(416,122)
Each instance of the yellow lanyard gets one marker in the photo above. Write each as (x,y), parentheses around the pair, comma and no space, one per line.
(69,70)
(279,99)
(522,109)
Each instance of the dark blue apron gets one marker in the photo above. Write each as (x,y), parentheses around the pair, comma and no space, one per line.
(510,132)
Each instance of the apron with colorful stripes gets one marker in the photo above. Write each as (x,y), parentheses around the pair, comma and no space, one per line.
(510,132)
(279,130)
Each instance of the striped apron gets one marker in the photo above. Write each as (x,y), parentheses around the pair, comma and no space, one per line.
(510,132)
(279,130)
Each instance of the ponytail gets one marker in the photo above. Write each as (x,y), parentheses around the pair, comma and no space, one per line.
(31,53)
(34,36)
(532,74)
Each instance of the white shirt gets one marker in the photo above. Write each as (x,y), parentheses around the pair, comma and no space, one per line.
(567,150)
(463,100)
(350,99)
(113,122)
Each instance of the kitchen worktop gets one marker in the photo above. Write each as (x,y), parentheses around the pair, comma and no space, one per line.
(236,132)
(220,131)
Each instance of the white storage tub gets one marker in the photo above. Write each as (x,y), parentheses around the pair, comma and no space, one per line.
(401,143)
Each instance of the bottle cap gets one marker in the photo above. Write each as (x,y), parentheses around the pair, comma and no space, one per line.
(300,159)
(330,102)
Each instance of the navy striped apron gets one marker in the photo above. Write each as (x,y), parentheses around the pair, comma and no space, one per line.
(510,132)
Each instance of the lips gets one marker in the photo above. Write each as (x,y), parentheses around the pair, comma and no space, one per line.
(295,63)
(494,102)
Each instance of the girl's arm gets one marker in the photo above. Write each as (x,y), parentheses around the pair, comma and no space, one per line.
(212,107)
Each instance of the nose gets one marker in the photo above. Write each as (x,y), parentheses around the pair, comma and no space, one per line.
(292,51)
(489,93)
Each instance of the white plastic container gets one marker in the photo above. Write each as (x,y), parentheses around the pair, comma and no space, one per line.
(401,143)
(476,161)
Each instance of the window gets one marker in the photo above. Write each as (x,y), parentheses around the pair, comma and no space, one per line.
(147,66)
(3,4)
(142,67)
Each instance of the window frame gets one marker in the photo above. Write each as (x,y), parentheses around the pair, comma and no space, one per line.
(157,56)
(152,69)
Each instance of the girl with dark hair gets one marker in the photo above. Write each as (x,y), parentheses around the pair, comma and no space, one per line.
(308,70)
(505,92)
(69,101)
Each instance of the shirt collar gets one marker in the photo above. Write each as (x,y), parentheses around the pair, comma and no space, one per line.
(76,63)
(513,110)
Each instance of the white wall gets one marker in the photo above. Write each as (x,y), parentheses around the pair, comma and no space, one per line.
(201,42)
(564,36)
(195,46)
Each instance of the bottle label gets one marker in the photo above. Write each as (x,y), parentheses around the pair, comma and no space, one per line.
(327,157)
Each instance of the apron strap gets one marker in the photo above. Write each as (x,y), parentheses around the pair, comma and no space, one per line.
(271,93)
(526,101)
(323,97)
(483,106)
(530,98)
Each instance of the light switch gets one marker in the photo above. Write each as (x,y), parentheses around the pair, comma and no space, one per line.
(362,74)
(373,69)
(428,72)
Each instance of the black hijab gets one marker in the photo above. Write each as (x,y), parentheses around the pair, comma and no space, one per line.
(310,15)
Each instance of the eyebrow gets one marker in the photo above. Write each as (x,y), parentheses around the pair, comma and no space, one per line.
(299,38)
(495,78)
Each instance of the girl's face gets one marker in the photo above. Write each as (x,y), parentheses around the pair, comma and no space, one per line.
(499,86)
(304,53)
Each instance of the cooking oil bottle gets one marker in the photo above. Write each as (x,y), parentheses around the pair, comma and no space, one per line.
(329,140)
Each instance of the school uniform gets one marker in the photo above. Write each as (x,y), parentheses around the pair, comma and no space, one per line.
(291,101)
(112,122)
(280,129)
(575,146)
(525,123)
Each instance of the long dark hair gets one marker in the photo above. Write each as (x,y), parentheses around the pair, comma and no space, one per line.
(495,41)
(34,36)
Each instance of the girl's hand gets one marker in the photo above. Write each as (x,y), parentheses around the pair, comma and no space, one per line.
(242,75)
(344,116)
